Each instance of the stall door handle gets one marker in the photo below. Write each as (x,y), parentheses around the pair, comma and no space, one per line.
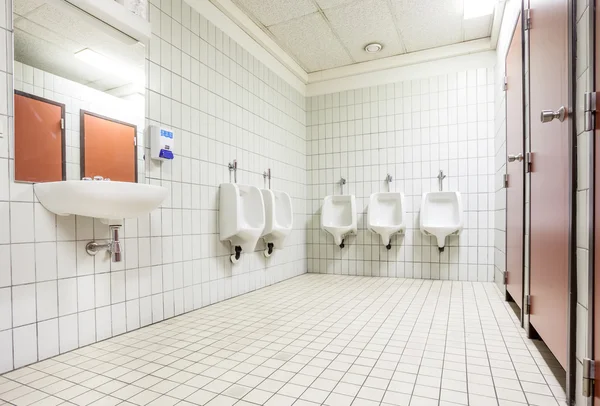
(549,115)
(513,158)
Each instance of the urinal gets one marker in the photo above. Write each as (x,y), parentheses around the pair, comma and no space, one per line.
(441,215)
(278,219)
(338,217)
(241,217)
(386,215)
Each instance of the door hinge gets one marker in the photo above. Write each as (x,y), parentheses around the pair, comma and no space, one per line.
(62,123)
(506,277)
(505,85)
(505,180)
(135,141)
(590,108)
(528,161)
(527,20)
(527,307)
(589,377)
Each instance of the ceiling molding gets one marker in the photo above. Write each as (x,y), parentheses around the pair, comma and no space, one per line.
(111,13)
(233,22)
(497,23)
(249,26)
(411,58)
(437,65)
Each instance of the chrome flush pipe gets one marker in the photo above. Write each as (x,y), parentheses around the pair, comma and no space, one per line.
(233,168)
(441,178)
(389,180)
(267,175)
(113,246)
(342,183)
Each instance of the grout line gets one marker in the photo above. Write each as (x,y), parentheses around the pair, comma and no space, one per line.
(449,304)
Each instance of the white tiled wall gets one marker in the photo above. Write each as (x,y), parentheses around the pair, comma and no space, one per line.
(77,97)
(222,104)
(511,13)
(410,130)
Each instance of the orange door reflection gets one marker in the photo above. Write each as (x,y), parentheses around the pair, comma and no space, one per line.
(39,139)
(108,148)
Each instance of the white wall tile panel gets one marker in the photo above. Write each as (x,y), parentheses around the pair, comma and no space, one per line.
(411,130)
(223,104)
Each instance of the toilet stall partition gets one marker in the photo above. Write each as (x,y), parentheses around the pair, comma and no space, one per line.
(515,168)
(595,235)
(551,175)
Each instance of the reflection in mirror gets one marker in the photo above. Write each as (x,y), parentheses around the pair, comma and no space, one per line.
(103,137)
(64,56)
(39,139)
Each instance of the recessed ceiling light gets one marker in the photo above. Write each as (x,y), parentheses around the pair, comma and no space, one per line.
(373,47)
(478,8)
(122,70)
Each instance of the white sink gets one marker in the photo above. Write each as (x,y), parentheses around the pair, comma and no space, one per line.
(105,200)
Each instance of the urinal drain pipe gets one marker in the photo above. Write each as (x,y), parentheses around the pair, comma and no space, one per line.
(238,253)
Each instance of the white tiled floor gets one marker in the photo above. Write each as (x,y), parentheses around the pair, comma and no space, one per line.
(315,339)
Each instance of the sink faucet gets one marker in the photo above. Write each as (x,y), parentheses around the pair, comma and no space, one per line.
(441,178)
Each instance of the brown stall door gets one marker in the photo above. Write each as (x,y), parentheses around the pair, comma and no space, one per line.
(107,148)
(550,175)
(515,192)
(597,214)
(39,139)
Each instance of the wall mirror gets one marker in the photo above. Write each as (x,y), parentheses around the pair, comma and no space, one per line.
(79,95)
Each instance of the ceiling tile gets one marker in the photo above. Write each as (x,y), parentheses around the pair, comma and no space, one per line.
(312,42)
(87,33)
(53,58)
(429,23)
(477,28)
(274,12)
(48,37)
(22,7)
(324,4)
(360,23)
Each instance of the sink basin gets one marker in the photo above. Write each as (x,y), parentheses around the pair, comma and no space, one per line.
(106,200)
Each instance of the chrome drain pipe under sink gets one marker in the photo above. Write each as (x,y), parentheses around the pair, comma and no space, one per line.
(113,246)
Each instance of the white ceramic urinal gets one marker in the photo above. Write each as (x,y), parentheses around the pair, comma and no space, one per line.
(441,215)
(338,217)
(241,217)
(387,215)
(278,219)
